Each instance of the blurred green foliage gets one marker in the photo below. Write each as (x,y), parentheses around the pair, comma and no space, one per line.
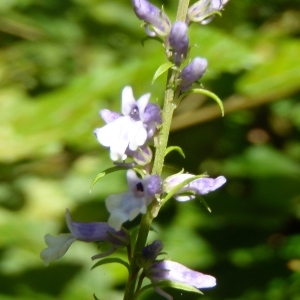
(63,61)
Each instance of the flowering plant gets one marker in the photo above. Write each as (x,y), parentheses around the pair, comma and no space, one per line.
(129,136)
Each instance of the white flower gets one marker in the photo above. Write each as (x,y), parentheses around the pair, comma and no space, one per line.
(129,205)
(127,131)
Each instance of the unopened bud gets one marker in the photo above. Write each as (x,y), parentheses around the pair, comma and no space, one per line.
(152,15)
(179,41)
(192,72)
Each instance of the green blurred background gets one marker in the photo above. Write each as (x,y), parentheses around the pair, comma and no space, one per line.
(61,61)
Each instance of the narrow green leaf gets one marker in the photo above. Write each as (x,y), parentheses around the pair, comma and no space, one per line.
(105,172)
(161,70)
(178,187)
(109,261)
(175,148)
(172,284)
(206,93)
(95,298)
(202,200)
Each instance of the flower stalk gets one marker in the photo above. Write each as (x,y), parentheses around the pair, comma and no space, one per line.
(153,209)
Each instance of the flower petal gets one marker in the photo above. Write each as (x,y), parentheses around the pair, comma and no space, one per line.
(124,207)
(171,270)
(57,246)
(128,101)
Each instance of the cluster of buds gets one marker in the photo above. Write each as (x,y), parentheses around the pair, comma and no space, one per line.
(175,35)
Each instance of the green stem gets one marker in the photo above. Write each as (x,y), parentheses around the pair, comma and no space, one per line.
(153,208)
(182,10)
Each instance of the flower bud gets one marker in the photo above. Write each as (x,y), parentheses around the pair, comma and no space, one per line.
(179,41)
(150,253)
(153,16)
(203,10)
(192,72)
(142,156)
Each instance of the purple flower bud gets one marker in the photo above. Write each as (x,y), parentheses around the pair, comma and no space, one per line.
(150,253)
(202,11)
(179,41)
(152,15)
(173,271)
(200,186)
(192,72)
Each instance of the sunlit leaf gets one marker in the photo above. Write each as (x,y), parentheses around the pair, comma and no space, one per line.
(175,148)
(172,284)
(162,69)
(110,260)
(105,172)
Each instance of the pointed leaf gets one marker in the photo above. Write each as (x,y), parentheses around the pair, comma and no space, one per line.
(172,284)
(109,261)
(161,70)
(175,148)
(105,172)
(202,200)
(206,93)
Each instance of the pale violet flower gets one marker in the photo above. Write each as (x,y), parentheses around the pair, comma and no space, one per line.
(87,232)
(130,130)
(200,186)
(173,271)
(127,206)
